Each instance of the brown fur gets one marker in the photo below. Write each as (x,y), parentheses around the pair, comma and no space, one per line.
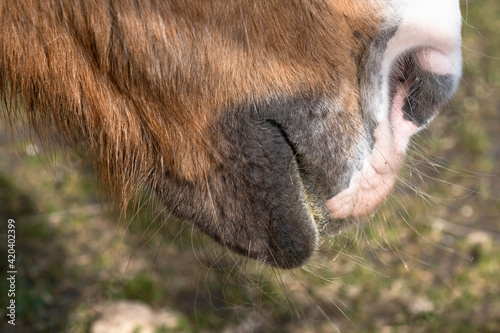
(143,85)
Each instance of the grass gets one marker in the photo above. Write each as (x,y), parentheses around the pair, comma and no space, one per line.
(426,263)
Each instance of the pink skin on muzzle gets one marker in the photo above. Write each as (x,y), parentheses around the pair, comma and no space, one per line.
(369,187)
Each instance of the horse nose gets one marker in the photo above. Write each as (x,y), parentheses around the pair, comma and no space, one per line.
(424,56)
(431,30)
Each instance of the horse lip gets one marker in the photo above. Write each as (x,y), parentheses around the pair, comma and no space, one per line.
(315,206)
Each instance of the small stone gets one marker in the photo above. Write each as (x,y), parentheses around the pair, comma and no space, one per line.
(419,305)
(131,316)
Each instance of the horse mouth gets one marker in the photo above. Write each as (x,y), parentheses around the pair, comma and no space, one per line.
(416,95)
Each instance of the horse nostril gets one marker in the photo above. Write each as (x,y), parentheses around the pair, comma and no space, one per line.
(404,72)
(424,57)
(424,91)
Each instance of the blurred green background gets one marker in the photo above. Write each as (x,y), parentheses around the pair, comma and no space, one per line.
(428,262)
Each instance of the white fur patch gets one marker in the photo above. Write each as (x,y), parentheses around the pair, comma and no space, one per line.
(432,26)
